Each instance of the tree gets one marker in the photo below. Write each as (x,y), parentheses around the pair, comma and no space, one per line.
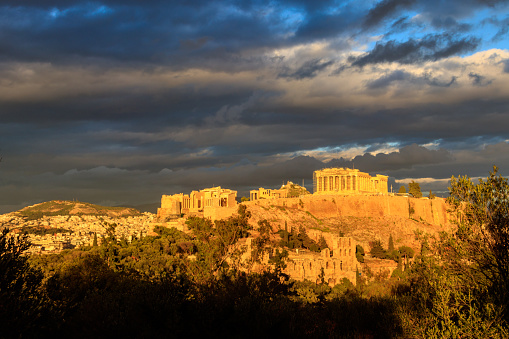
(483,233)
(431,195)
(306,241)
(461,280)
(406,251)
(258,244)
(359,253)
(22,300)
(415,189)
(322,244)
(392,253)
(402,189)
(391,244)
(377,250)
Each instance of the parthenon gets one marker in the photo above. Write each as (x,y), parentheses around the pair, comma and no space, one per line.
(348,181)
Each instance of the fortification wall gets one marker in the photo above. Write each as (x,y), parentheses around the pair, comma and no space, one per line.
(432,211)
(217,213)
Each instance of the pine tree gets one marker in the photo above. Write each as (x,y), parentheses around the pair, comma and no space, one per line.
(359,253)
(402,189)
(391,244)
(322,244)
(286,233)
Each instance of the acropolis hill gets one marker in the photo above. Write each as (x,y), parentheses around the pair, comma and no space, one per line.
(340,195)
(347,207)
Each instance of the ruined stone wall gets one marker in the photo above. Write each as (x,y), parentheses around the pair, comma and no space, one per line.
(301,268)
(337,263)
(217,213)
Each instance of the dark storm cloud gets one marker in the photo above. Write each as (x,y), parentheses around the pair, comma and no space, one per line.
(325,25)
(400,25)
(478,80)
(121,101)
(384,9)
(430,48)
(493,3)
(402,76)
(506,66)
(503,27)
(152,32)
(388,79)
(309,69)
(194,33)
(450,24)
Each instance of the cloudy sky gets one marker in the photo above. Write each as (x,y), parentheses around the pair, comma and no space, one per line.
(118,102)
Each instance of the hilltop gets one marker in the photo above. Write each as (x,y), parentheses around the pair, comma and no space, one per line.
(364,218)
(70,208)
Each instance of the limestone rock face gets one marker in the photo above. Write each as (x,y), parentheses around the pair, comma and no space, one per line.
(359,218)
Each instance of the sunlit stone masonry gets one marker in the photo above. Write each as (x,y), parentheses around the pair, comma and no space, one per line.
(215,203)
(348,181)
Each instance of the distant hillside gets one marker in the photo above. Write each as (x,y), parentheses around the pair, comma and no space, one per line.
(151,208)
(62,207)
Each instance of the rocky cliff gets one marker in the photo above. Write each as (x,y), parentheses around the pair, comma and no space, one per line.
(365,218)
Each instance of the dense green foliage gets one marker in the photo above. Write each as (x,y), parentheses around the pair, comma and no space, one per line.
(300,239)
(377,250)
(414,189)
(459,287)
(174,284)
(359,253)
(24,308)
(294,190)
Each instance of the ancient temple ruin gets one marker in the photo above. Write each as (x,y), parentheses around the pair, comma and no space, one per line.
(267,193)
(204,203)
(348,181)
(333,264)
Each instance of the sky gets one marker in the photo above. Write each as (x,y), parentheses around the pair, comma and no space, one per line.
(118,102)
